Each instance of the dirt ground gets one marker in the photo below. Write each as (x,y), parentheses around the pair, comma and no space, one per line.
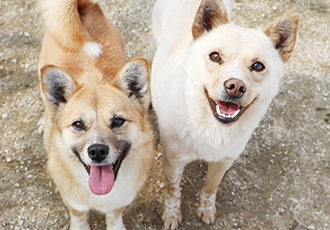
(281,180)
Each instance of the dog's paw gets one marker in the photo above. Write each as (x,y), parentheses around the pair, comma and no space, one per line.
(79,222)
(172,218)
(41,124)
(206,209)
(172,215)
(80,228)
(116,228)
(114,219)
(206,214)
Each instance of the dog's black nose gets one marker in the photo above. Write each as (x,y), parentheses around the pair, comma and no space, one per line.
(98,152)
(235,87)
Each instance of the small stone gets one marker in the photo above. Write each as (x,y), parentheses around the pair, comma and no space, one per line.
(21,222)
(8,159)
(4,116)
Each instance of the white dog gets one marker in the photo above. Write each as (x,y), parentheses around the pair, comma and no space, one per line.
(212,81)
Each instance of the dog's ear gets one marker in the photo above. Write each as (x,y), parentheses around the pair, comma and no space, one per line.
(134,80)
(56,85)
(210,14)
(283,32)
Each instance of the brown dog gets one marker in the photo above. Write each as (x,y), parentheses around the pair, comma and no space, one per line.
(96,133)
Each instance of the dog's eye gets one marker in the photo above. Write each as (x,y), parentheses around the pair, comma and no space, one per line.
(78,125)
(215,57)
(257,66)
(117,122)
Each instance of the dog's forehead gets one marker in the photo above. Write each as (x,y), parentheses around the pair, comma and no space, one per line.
(231,39)
(99,101)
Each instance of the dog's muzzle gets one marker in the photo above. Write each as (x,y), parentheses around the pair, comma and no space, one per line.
(102,176)
(229,110)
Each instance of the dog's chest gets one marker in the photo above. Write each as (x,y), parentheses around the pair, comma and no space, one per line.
(209,143)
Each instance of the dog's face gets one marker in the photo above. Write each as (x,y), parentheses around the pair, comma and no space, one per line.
(98,125)
(235,67)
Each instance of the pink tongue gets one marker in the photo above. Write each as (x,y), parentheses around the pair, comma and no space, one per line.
(228,108)
(101,179)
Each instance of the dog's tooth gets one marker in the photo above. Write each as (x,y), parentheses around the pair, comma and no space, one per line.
(236,113)
(218,110)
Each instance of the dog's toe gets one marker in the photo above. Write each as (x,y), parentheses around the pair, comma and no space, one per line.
(206,209)
(206,214)
(172,219)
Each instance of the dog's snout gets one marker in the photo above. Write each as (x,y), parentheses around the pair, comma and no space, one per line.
(235,87)
(98,152)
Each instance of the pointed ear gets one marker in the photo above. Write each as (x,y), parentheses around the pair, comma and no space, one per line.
(210,14)
(283,32)
(134,80)
(56,85)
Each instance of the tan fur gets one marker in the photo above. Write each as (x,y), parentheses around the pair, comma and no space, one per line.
(66,25)
(278,32)
(94,90)
(76,64)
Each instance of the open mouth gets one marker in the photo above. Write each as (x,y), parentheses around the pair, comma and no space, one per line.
(102,177)
(226,112)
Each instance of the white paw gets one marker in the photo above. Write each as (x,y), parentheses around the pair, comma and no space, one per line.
(116,228)
(172,218)
(79,223)
(206,209)
(114,221)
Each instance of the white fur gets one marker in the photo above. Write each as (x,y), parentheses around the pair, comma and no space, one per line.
(116,222)
(207,205)
(41,124)
(181,69)
(92,49)
(79,222)
(177,80)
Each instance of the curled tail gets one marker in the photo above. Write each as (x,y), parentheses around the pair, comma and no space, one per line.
(62,19)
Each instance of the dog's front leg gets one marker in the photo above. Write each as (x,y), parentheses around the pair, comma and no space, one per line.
(78,220)
(114,219)
(206,209)
(172,215)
